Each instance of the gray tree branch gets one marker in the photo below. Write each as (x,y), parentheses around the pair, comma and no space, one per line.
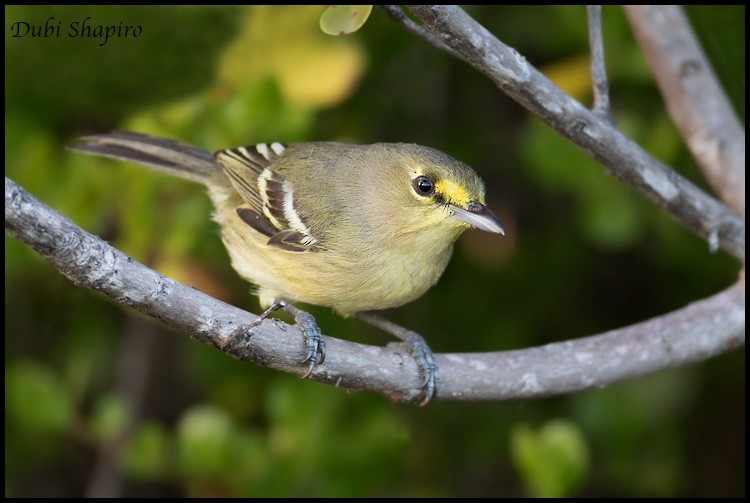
(594,134)
(598,66)
(397,14)
(694,97)
(696,332)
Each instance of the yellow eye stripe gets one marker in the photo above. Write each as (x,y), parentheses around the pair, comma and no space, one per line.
(453,192)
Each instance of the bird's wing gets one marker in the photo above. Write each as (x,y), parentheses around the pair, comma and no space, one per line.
(268,196)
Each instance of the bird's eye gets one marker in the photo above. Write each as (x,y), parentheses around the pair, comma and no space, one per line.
(424,186)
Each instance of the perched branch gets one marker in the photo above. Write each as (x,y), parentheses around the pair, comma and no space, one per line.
(623,158)
(598,66)
(697,332)
(694,97)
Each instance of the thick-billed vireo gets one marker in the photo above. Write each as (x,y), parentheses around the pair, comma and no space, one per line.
(352,227)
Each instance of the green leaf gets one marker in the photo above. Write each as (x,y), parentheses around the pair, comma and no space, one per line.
(204,441)
(110,416)
(344,19)
(148,452)
(553,460)
(37,398)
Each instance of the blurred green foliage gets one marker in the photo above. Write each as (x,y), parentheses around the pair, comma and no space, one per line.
(552,461)
(583,254)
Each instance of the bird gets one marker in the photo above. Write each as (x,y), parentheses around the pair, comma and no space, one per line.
(355,228)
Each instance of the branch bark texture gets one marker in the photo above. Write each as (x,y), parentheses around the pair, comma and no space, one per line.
(694,97)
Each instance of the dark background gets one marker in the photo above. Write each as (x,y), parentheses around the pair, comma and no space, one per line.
(98,396)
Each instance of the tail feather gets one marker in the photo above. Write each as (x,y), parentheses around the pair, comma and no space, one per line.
(160,154)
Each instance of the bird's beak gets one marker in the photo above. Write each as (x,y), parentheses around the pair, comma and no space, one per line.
(479,216)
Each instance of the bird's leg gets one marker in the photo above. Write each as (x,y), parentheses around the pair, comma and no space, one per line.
(316,346)
(416,347)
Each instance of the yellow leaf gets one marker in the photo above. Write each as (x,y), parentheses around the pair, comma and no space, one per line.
(344,19)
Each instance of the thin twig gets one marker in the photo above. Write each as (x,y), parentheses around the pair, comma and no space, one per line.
(696,332)
(598,66)
(694,97)
(622,157)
